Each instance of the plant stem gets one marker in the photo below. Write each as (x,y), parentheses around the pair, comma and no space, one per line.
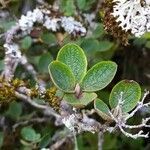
(75,141)
(100,140)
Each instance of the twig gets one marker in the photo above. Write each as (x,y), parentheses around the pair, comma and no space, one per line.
(100,140)
(31,70)
(134,136)
(59,138)
(58,144)
(46,108)
(98,6)
(139,106)
(75,141)
(78,11)
(120,124)
(37,120)
(9,35)
(11,54)
(4,3)
(143,124)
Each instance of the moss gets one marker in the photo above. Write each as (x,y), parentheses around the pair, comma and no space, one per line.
(8,88)
(52,99)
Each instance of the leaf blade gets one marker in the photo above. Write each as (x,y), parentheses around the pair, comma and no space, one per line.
(102,109)
(99,76)
(44,61)
(29,134)
(80,102)
(73,56)
(62,76)
(131,94)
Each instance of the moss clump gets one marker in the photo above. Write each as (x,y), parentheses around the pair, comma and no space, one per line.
(8,88)
(52,99)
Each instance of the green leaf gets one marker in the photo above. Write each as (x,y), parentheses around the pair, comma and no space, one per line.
(104,46)
(30,135)
(84,99)
(48,38)
(111,142)
(62,76)
(1,139)
(26,42)
(146,36)
(59,93)
(39,100)
(45,141)
(6,25)
(102,109)
(81,4)
(90,45)
(89,3)
(147,44)
(139,42)
(128,92)
(67,7)
(44,61)
(87,137)
(98,32)
(15,110)
(99,76)
(73,56)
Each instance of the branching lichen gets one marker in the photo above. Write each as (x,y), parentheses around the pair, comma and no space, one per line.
(112,26)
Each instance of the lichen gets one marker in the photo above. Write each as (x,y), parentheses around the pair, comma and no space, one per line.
(112,26)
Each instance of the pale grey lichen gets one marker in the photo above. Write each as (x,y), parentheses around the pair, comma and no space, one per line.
(13,50)
(72,26)
(133,16)
(43,16)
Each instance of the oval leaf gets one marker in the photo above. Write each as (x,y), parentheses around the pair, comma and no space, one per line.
(15,110)
(127,92)
(26,42)
(62,76)
(99,76)
(73,56)
(102,109)
(44,61)
(84,100)
(29,134)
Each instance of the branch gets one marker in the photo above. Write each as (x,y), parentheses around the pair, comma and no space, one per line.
(60,138)
(100,140)
(58,144)
(139,106)
(121,125)
(31,70)
(37,120)
(98,6)
(134,136)
(143,124)
(82,123)
(11,60)
(45,108)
